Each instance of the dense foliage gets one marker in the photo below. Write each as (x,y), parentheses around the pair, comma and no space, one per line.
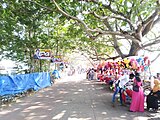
(94,27)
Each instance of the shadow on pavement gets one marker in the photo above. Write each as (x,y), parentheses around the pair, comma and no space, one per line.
(72,100)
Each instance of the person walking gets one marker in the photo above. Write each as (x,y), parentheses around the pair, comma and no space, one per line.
(137,102)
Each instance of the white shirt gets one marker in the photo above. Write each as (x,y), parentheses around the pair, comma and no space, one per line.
(123,80)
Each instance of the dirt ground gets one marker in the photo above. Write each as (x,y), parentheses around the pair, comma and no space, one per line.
(72,98)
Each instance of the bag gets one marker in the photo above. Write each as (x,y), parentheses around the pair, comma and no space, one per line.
(136,88)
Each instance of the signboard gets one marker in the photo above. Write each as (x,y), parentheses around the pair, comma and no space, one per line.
(42,54)
(56,59)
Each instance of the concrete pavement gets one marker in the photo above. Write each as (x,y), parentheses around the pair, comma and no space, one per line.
(72,98)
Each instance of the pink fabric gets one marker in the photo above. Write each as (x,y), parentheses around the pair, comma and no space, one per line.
(137,104)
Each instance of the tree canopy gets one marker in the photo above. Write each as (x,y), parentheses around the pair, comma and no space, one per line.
(95,27)
(129,20)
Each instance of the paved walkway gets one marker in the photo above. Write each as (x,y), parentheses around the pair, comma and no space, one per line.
(72,98)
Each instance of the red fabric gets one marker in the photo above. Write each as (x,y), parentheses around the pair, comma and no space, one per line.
(107,79)
(129,93)
(100,77)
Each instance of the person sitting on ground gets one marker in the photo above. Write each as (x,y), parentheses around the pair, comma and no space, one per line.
(154,96)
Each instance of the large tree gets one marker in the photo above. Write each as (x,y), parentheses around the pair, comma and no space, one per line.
(88,25)
(120,21)
(27,25)
(23,31)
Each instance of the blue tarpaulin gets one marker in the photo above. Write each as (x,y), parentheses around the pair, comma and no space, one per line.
(19,83)
(56,74)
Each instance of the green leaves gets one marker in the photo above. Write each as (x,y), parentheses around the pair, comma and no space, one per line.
(38,24)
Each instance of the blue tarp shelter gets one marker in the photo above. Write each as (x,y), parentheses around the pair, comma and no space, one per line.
(19,83)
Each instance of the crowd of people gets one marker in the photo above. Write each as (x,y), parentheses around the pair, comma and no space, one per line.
(128,85)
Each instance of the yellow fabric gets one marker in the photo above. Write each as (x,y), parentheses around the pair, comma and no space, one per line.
(156,85)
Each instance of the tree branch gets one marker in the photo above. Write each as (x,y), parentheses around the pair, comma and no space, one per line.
(157,20)
(148,24)
(155,58)
(150,44)
(38,4)
(106,6)
(150,50)
(115,45)
(116,17)
(88,59)
(89,30)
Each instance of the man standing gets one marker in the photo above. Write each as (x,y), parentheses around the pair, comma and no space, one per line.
(91,74)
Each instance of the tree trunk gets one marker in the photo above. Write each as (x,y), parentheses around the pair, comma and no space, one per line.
(40,65)
(135,47)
